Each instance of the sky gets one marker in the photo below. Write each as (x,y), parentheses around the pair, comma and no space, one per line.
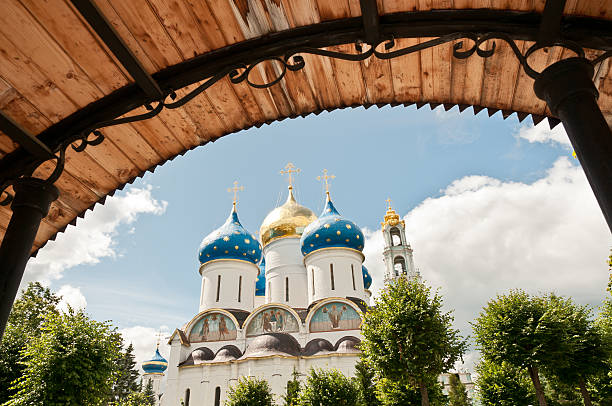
(490,205)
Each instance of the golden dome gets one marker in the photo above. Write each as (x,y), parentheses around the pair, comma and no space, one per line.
(288,220)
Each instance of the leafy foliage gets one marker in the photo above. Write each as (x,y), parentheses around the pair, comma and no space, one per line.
(457,394)
(28,313)
(400,393)
(249,392)
(328,388)
(136,399)
(72,362)
(503,385)
(293,390)
(407,337)
(366,386)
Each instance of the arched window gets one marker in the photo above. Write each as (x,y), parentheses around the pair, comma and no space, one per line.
(399,266)
(353,276)
(396,238)
(331,273)
(218,286)
(239,287)
(286,289)
(187,396)
(217,396)
(313,282)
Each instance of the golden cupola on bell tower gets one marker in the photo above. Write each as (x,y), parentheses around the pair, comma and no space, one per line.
(397,253)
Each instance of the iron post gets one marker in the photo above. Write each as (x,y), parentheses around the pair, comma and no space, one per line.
(31,203)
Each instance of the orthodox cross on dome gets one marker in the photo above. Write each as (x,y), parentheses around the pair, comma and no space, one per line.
(290,169)
(388,203)
(235,190)
(326,179)
(159,336)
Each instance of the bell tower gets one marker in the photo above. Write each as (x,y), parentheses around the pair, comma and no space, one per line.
(397,253)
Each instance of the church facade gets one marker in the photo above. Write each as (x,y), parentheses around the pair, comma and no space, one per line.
(284,303)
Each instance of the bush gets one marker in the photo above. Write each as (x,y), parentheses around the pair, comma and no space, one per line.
(249,392)
(328,388)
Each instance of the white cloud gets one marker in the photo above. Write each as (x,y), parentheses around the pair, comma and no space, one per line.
(484,236)
(542,133)
(144,340)
(93,239)
(72,297)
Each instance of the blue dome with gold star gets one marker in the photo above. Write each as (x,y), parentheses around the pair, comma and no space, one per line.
(331,230)
(230,241)
(260,282)
(367,278)
(156,365)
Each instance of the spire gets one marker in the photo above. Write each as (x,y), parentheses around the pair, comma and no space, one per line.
(325,178)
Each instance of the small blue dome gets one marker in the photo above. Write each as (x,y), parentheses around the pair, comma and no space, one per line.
(331,230)
(367,278)
(230,241)
(260,282)
(155,365)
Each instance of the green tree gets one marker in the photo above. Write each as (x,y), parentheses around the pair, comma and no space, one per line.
(600,385)
(524,332)
(503,385)
(457,394)
(393,392)
(586,354)
(328,388)
(249,392)
(72,362)
(148,393)
(24,322)
(136,399)
(290,398)
(366,386)
(127,375)
(407,337)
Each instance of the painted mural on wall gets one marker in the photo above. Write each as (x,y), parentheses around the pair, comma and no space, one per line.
(335,316)
(272,320)
(213,327)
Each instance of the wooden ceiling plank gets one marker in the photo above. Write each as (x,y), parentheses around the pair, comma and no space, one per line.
(225,102)
(131,143)
(322,80)
(442,71)
(300,91)
(249,103)
(263,97)
(427,77)
(146,28)
(66,27)
(208,123)
(23,137)
(526,99)
(180,26)
(89,173)
(395,6)
(181,126)
(22,111)
(157,135)
(351,87)
(406,73)
(42,51)
(6,144)
(281,99)
(209,27)
(113,160)
(230,28)
(333,10)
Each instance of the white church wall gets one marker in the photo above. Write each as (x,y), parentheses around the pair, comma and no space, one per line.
(346,266)
(284,263)
(222,286)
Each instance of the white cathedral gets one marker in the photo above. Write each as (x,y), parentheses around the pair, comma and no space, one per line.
(286,302)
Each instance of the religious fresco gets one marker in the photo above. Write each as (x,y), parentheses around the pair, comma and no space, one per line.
(272,320)
(335,316)
(213,327)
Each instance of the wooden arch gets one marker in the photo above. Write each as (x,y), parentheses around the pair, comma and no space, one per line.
(68,66)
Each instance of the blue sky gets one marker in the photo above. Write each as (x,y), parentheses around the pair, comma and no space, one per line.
(146,274)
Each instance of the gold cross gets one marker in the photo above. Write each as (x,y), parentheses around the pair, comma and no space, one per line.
(159,336)
(326,179)
(388,203)
(289,170)
(235,189)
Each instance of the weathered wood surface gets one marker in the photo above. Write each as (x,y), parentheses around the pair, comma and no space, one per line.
(53,64)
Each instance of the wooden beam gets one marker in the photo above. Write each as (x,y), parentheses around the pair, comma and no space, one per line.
(118,47)
(550,26)
(22,137)
(371,23)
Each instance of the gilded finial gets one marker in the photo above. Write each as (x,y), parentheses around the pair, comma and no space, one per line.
(326,179)
(391,217)
(235,190)
(388,203)
(159,336)
(290,169)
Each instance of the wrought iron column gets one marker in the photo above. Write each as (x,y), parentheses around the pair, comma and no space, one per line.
(568,89)
(31,203)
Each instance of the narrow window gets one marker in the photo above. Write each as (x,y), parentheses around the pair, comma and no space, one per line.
(217,396)
(331,272)
(286,289)
(218,286)
(239,287)
(187,395)
(353,276)
(269,291)
(313,284)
